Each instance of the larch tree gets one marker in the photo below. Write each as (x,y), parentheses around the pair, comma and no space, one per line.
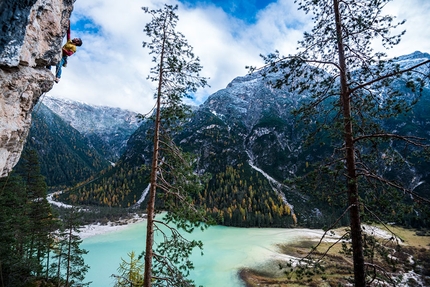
(349,90)
(176,73)
(130,273)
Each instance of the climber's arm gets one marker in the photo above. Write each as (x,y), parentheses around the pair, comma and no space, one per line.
(68,32)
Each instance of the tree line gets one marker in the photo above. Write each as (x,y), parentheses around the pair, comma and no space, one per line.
(36,245)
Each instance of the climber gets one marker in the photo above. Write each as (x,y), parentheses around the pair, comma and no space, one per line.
(68,49)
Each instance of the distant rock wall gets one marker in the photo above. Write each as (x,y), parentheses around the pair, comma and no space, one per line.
(31,36)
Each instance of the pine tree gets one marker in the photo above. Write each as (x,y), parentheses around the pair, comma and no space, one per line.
(14,266)
(27,221)
(350,90)
(68,254)
(41,219)
(177,76)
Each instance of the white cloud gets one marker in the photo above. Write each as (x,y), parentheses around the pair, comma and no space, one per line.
(111,67)
(417,26)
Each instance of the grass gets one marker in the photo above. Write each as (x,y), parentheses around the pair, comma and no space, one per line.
(410,237)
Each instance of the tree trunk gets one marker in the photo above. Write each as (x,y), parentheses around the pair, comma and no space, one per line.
(59,266)
(353,200)
(151,203)
(153,181)
(47,263)
(69,258)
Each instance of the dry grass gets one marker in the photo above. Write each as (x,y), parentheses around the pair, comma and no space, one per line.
(337,267)
(410,237)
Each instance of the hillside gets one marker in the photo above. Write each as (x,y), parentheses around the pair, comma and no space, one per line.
(65,156)
(107,129)
(76,141)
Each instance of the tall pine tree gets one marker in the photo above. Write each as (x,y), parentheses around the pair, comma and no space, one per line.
(14,266)
(41,219)
(176,73)
(349,90)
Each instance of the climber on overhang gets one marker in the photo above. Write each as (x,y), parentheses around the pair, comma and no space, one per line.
(68,49)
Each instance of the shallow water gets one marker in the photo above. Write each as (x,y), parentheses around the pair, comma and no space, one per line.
(226,250)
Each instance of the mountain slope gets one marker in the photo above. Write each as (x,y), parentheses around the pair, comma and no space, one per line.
(106,128)
(236,135)
(65,156)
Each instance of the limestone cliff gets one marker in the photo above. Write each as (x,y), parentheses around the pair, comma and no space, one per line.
(31,36)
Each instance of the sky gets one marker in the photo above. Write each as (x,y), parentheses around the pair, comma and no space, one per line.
(111,67)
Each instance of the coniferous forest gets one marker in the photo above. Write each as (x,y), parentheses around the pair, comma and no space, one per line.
(38,245)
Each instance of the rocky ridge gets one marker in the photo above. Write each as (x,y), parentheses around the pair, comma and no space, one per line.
(107,128)
(32,33)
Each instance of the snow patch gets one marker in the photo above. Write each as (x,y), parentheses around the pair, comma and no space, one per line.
(272,181)
(142,197)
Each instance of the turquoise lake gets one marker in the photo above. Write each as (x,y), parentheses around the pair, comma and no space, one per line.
(226,250)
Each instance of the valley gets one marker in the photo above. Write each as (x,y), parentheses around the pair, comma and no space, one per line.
(245,138)
(249,147)
(310,169)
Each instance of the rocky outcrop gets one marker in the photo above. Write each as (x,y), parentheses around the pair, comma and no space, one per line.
(31,36)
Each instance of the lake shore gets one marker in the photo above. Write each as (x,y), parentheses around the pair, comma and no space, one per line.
(409,249)
(94,229)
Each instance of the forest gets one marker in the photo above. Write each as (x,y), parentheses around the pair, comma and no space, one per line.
(39,246)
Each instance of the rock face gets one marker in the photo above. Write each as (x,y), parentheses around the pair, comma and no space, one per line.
(30,39)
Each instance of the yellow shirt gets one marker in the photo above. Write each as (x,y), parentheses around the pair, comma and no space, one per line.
(69,48)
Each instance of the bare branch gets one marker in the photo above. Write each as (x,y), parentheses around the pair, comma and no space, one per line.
(394,235)
(389,75)
(410,139)
(325,233)
(387,275)
(285,58)
(367,173)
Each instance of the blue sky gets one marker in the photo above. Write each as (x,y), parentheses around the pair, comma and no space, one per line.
(246,10)
(111,66)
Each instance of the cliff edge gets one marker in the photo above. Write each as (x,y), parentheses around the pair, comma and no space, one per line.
(31,36)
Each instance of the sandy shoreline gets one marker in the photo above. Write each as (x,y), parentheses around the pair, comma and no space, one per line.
(94,229)
(90,230)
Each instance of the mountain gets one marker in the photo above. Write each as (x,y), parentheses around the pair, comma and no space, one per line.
(106,128)
(245,136)
(77,141)
(65,155)
(248,139)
